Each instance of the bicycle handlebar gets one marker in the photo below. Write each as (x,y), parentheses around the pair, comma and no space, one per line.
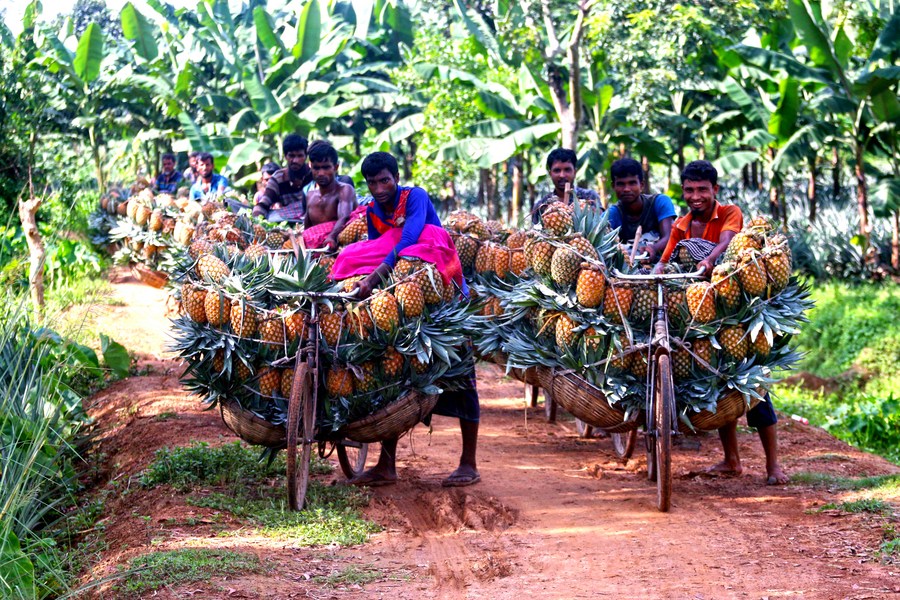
(659,276)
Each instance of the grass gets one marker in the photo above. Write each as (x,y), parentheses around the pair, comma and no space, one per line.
(350,576)
(254,492)
(157,569)
(878,483)
(864,505)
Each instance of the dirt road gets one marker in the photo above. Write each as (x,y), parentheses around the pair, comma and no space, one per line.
(554,517)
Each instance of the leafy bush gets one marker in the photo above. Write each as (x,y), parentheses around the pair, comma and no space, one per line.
(158,569)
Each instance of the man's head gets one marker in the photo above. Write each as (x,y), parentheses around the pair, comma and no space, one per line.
(192,160)
(699,186)
(265,174)
(627,179)
(323,160)
(382,175)
(205,166)
(168,162)
(561,164)
(294,147)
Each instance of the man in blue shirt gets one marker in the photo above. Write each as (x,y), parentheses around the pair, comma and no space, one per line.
(652,213)
(209,183)
(167,181)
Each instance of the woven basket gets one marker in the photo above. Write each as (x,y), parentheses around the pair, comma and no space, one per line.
(586,402)
(152,278)
(529,375)
(729,409)
(251,428)
(393,420)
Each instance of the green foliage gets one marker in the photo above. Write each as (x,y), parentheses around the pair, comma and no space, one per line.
(350,576)
(865,505)
(159,569)
(876,483)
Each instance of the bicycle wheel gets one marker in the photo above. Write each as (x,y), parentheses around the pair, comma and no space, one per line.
(662,417)
(624,443)
(584,430)
(352,458)
(301,412)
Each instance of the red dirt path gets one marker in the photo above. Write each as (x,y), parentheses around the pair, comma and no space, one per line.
(554,517)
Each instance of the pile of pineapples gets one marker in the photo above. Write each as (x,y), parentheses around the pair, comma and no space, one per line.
(566,310)
(247,314)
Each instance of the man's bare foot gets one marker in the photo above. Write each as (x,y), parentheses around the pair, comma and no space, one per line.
(375,477)
(462,476)
(776,476)
(725,469)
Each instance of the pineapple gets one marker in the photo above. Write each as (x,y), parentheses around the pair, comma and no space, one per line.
(244,319)
(366,381)
(405,267)
(199,248)
(477,228)
(331,324)
(418,366)
(241,371)
(584,248)
(590,287)
(155,222)
(142,214)
(740,242)
(271,331)
(412,300)
(274,240)
(354,230)
(638,365)
(681,364)
(778,268)
(675,299)
(517,262)
(350,283)
(501,261)
(339,382)
(752,272)
(467,248)
(734,341)
(431,283)
(326,262)
(449,292)
(496,306)
(392,363)
(642,305)
(516,241)
(193,300)
(218,362)
(269,382)
(484,259)
(703,349)
(218,308)
(296,326)
(592,341)
(287,382)
(542,258)
(385,311)
(259,233)
(727,288)
(131,210)
(760,346)
(564,331)
(211,268)
(564,266)
(760,225)
(255,251)
(622,363)
(701,300)
(185,235)
(557,219)
(361,323)
(617,302)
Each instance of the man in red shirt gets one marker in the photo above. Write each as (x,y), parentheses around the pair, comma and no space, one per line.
(718,224)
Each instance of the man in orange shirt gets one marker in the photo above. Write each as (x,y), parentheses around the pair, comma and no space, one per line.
(718,224)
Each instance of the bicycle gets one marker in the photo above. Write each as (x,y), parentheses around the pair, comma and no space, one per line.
(661,421)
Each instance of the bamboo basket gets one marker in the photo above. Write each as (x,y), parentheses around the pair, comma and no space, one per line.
(251,428)
(156,279)
(586,402)
(393,420)
(729,409)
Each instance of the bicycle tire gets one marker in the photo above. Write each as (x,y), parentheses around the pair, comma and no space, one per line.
(664,405)
(624,443)
(584,430)
(352,459)
(298,466)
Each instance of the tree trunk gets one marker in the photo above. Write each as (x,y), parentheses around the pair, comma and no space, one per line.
(515,205)
(645,167)
(754,175)
(811,192)
(95,153)
(701,152)
(835,172)
(28,216)
(774,191)
(604,197)
(482,188)
(745,176)
(567,105)
(862,196)
(680,156)
(895,241)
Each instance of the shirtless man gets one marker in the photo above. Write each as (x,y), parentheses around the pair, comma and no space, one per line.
(330,203)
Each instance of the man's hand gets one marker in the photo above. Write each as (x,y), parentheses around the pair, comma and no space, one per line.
(707,265)
(331,244)
(364,287)
(658,268)
(651,252)
(276,206)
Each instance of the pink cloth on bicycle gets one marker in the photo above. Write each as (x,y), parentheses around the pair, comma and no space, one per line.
(434,246)
(315,236)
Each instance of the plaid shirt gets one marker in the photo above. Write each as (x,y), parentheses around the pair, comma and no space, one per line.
(284,190)
(167,183)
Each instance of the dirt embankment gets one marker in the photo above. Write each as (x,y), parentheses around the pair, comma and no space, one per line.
(554,517)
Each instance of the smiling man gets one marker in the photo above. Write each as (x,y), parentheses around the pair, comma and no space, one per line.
(653,214)
(331,203)
(561,165)
(284,192)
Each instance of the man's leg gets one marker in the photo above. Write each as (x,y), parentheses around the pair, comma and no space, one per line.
(768,435)
(467,471)
(731,465)
(385,471)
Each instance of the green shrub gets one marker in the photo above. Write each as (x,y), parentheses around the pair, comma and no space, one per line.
(158,569)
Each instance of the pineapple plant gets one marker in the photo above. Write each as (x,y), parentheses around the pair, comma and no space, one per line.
(734,342)
(701,301)
(271,331)
(557,219)
(590,286)
(244,319)
(752,272)
(412,300)
(212,268)
(778,268)
(564,265)
(725,280)
(542,258)
(642,305)
(339,382)
(331,325)
(193,299)
(218,308)
(617,302)
(269,382)
(565,334)
(467,249)
(385,311)
(392,362)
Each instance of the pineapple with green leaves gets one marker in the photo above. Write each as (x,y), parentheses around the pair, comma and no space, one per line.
(728,290)
(212,268)
(557,219)
(617,302)
(194,301)
(701,301)
(734,342)
(760,346)
(681,364)
(752,273)
(467,249)
(412,300)
(385,311)
(217,307)
(339,382)
(564,266)
(741,241)
(642,304)
(269,382)
(590,287)
(542,258)
(565,334)
(778,268)
(244,319)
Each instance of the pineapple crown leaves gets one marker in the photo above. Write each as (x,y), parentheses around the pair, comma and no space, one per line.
(524,351)
(294,278)
(781,315)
